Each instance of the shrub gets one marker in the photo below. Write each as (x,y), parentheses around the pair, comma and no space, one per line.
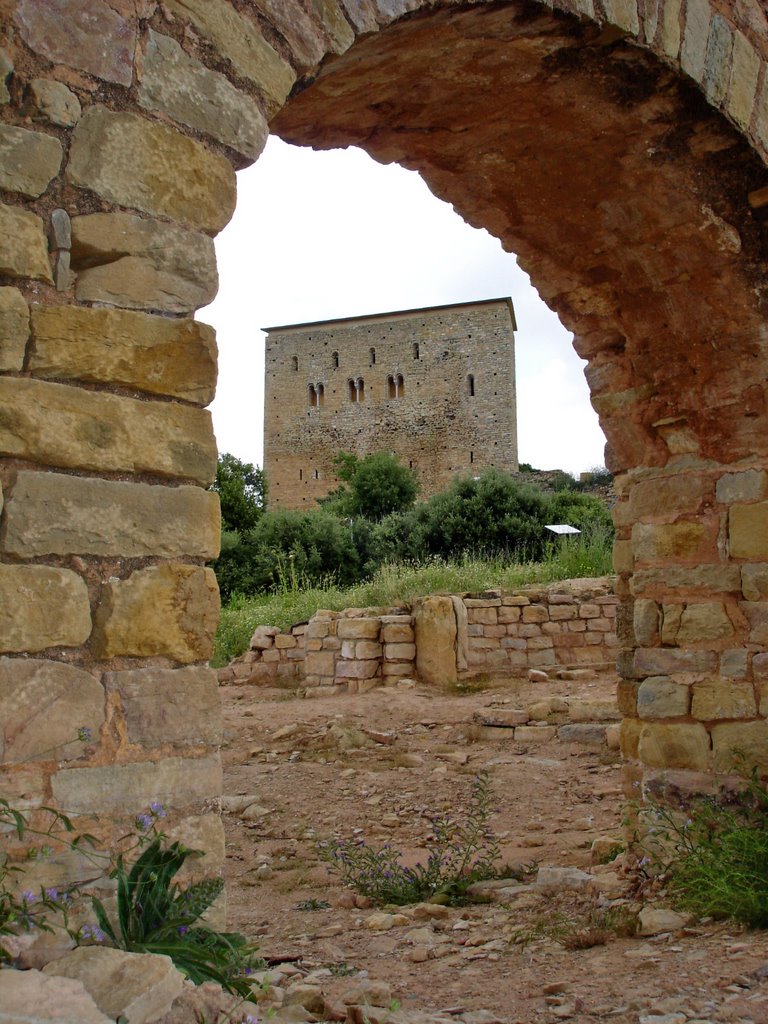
(460,853)
(373,487)
(242,490)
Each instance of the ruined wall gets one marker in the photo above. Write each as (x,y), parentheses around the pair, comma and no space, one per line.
(441,640)
(436,387)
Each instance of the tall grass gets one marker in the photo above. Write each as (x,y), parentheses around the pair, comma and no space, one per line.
(587,555)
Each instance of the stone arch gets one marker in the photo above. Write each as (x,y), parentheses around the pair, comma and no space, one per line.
(628,171)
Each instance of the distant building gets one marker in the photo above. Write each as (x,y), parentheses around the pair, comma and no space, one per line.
(435,386)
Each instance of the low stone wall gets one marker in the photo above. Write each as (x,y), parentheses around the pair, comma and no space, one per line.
(441,639)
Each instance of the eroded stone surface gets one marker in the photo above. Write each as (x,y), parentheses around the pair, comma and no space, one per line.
(191,94)
(175,706)
(674,745)
(85,34)
(126,260)
(43,704)
(6,69)
(662,697)
(23,249)
(239,41)
(31,997)
(139,163)
(52,101)
(138,986)
(58,425)
(748,530)
(14,328)
(128,789)
(170,610)
(435,629)
(42,607)
(28,160)
(132,349)
(718,698)
(53,514)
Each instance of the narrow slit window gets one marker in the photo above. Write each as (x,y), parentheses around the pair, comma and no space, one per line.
(471,385)
(471,457)
(352,391)
(416,350)
(335,360)
(301,474)
(373,356)
(360,385)
(391,386)
(312,395)
(399,386)
(317,474)
(295,362)
(320,394)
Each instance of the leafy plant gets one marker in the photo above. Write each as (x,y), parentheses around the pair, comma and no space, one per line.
(714,853)
(460,852)
(157,915)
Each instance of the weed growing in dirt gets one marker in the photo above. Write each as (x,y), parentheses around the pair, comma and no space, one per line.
(581,928)
(713,853)
(461,852)
(312,904)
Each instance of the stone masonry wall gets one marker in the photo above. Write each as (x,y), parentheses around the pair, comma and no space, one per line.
(632,185)
(437,389)
(441,640)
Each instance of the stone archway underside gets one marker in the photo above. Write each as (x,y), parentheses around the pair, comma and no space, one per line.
(578,140)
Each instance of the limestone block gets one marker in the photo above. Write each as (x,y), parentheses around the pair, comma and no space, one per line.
(670,35)
(302,34)
(358,629)
(366,649)
(717,698)
(757,616)
(658,542)
(717,61)
(128,789)
(6,69)
(58,425)
(715,578)
(170,609)
(189,93)
(745,71)
(42,607)
(130,261)
(349,669)
(84,34)
(626,696)
(239,41)
(535,613)
(748,530)
(43,704)
(148,166)
(629,738)
(735,488)
(535,733)
(400,652)
(168,706)
(203,833)
(674,745)
(52,101)
(118,346)
(320,663)
(694,49)
(362,14)
(14,329)
(754,581)
(760,667)
(557,613)
(737,745)
(35,998)
(661,697)
(678,493)
(397,633)
(28,160)
(646,620)
(23,248)
(594,710)
(335,24)
(49,513)
(586,734)
(733,664)
(284,642)
(624,14)
(671,617)
(659,661)
(137,986)
(704,622)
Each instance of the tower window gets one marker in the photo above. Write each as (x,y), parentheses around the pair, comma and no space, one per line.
(335,360)
(373,357)
(316,395)
(312,395)
(294,362)
(471,385)
(356,390)
(416,350)
(395,385)
(471,457)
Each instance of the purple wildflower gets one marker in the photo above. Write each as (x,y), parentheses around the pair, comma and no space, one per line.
(52,894)
(84,734)
(28,896)
(183,929)
(143,822)
(157,809)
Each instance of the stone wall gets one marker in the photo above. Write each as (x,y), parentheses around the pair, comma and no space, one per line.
(436,387)
(625,161)
(442,640)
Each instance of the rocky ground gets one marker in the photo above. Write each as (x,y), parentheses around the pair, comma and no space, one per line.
(382,765)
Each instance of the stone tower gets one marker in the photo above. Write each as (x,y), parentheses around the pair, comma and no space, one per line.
(435,386)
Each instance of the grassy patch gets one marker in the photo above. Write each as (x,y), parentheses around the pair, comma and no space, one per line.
(393,584)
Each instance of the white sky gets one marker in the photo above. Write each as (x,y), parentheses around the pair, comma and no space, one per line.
(330,234)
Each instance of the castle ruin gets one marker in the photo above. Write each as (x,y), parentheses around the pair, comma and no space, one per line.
(434,386)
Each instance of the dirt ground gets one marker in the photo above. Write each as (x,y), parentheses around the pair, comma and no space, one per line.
(381,765)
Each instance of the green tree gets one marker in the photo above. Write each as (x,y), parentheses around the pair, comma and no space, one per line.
(373,487)
(242,490)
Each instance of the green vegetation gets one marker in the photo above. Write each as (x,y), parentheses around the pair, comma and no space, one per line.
(714,852)
(461,851)
(242,490)
(373,487)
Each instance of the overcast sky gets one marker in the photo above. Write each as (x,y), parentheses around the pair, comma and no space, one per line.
(331,234)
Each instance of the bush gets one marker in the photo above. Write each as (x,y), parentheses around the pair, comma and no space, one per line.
(373,487)
(242,490)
